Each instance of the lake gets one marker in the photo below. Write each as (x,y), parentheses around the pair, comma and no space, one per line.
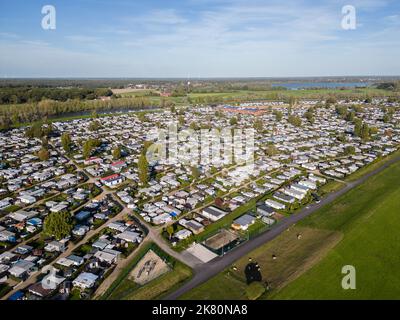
(309,85)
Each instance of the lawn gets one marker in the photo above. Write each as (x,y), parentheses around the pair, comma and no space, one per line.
(360,228)
(329,187)
(369,218)
(222,287)
(4,289)
(273,94)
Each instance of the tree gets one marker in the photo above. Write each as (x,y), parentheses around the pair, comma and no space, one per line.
(292,101)
(233,121)
(170,231)
(357,127)
(358,108)
(271,150)
(35,131)
(194,126)
(278,115)
(342,137)
(45,142)
(117,153)
(350,116)
(258,125)
(66,141)
(58,225)
(373,130)
(349,150)
(143,168)
(309,116)
(365,132)
(294,120)
(95,125)
(43,154)
(255,290)
(181,121)
(341,111)
(387,118)
(195,172)
(142,117)
(331,100)
(87,148)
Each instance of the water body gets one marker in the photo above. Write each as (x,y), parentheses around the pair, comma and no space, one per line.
(331,85)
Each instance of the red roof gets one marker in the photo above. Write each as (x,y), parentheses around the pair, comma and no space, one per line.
(113,176)
(93,158)
(117,163)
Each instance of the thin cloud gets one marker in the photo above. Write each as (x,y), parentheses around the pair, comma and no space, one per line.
(82,38)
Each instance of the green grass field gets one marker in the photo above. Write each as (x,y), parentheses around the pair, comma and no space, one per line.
(369,219)
(360,229)
(274,94)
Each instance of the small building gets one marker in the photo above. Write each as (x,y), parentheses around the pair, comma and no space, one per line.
(275,204)
(128,236)
(22,268)
(71,260)
(27,199)
(182,234)
(85,280)
(107,255)
(283,197)
(113,180)
(55,246)
(264,210)
(194,226)
(243,222)
(213,213)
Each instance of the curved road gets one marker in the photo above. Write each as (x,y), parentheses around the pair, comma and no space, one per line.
(206,271)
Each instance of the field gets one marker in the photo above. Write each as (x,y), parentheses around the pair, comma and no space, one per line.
(124,288)
(360,229)
(150,267)
(248,95)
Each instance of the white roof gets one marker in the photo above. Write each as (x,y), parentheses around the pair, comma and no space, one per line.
(85,279)
(128,236)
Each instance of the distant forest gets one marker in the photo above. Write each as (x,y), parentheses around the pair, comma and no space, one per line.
(13,115)
(28,94)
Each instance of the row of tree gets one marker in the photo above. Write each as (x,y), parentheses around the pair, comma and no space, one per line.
(13,115)
(17,95)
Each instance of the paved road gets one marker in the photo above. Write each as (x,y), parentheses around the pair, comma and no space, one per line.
(212,268)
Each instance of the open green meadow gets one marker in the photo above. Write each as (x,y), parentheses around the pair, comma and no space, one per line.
(360,228)
(369,218)
(249,95)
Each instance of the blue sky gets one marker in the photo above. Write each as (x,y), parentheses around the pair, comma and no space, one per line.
(199,38)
